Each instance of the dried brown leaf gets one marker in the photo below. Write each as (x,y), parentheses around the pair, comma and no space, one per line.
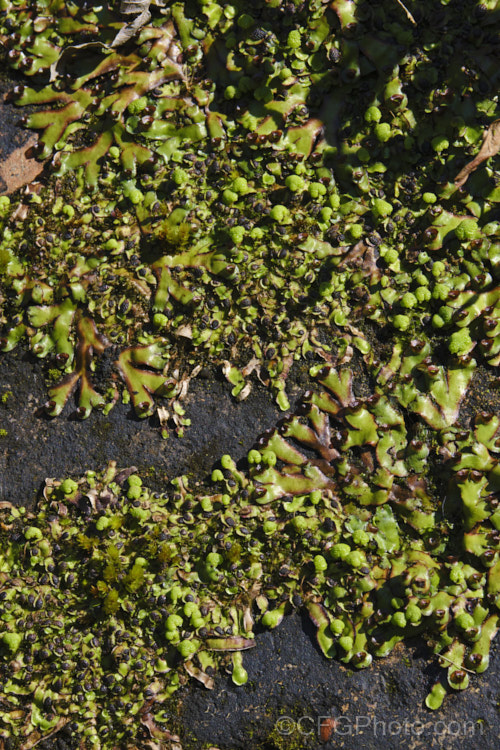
(134,7)
(137,8)
(490,147)
(155,731)
(199,675)
(19,168)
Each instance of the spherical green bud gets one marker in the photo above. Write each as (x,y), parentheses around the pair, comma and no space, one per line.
(245,84)
(337,627)
(190,608)
(135,196)
(295,183)
(316,189)
(134,480)
(413,614)
(279,213)
(32,532)
(138,105)
(187,648)
(440,143)
(446,313)
(420,278)
(69,486)
(226,461)
(239,675)
(180,176)
(422,293)
(269,457)
(467,230)
(355,559)
(460,342)
(240,185)
(339,551)
(237,234)
(320,563)
(401,322)
(441,291)
(174,622)
(300,524)
(254,457)
(269,527)
(175,593)
(429,197)
(346,642)
(134,492)
(339,592)
(334,201)
(160,321)
(229,196)
(398,619)
(408,300)
(360,538)
(382,132)
(356,231)
(373,114)
(438,268)
(44,548)
(206,504)
(391,256)
(382,208)
(315,497)
(230,92)
(294,40)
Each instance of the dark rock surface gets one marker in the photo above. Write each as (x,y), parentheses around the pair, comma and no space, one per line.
(36,447)
(293,692)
